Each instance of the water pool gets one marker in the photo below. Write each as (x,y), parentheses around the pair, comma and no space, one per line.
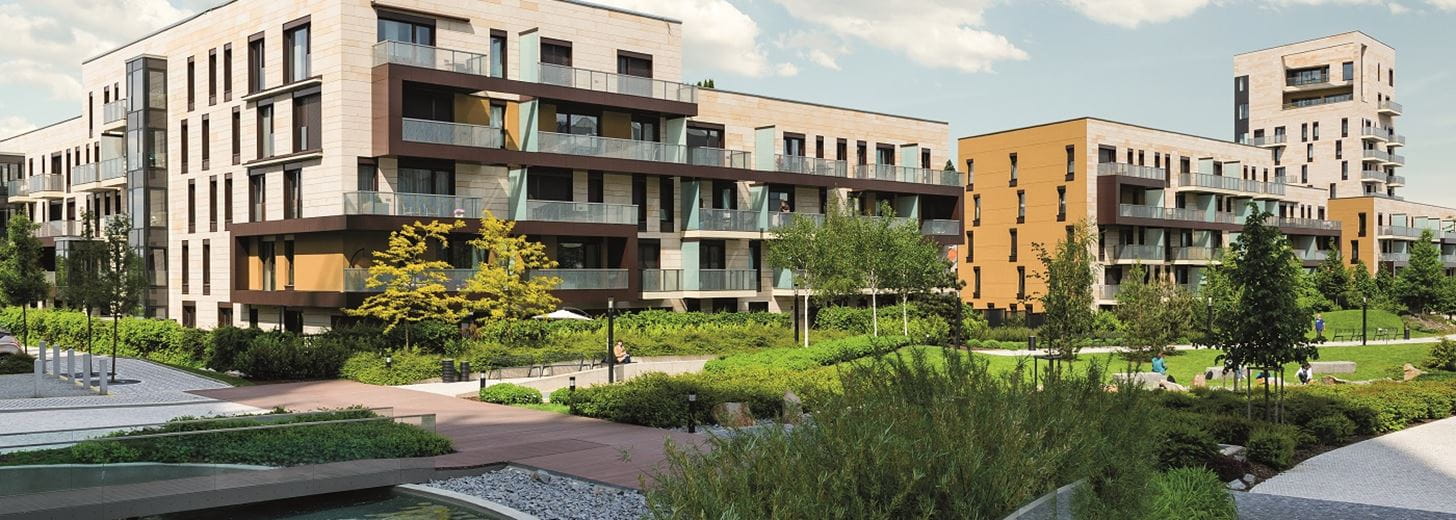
(372,504)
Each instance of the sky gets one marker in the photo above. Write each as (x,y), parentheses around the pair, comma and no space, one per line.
(981,65)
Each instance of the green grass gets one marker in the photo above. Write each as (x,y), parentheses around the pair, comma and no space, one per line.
(1371,362)
(546,407)
(1337,321)
(215,376)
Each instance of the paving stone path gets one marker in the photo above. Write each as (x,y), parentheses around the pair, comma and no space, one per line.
(158,385)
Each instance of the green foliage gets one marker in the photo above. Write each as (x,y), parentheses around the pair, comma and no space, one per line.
(21,280)
(1067,302)
(508,393)
(908,439)
(411,286)
(1443,356)
(924,327)
(278,355)
(1332,279)
(1191,494)
(824,353)
(406,366)
(291,446)
(162,340)
(1332,429)
(16,364)
(501,286)
(1184,443)
(659,400)
(1418,286)
(1273,447)
(1154,313)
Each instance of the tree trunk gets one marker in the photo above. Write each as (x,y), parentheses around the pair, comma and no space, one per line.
(406,335)
(115,331)
(24,329)
(874,311)
(806,319)
(904,316)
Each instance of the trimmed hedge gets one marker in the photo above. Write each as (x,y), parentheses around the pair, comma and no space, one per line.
(17,364)
(162,340)
(510,393)
(409,366)
(824,353)
(1273,447)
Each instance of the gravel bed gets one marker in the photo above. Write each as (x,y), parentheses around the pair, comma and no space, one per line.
(550,496)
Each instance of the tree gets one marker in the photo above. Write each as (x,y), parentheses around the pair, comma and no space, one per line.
(1362,285)
(412,283)
(1267,326)
(875,239)
(1332,279)
(1068,302)
(804,247)
(918,266)
(123,281)
(707,83)
(1418,286)
(21,278)
(502,286)
(1152,312)
(79,274)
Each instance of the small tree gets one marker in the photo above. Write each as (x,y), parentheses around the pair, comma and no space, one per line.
(1362,286)
(1418,286)
(1152,312)
(123,280)
(412,282)
(875,238)
(1068,302)
(79,274)
(917,266)
(1332,279)
(806,248)
(21,278)
(502,286)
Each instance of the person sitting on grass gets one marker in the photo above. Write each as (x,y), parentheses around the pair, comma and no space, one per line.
(1305,373)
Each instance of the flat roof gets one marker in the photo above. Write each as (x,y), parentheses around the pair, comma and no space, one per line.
(1357,31)
(622,10)
(1110,121)
(39,128)
(821,105)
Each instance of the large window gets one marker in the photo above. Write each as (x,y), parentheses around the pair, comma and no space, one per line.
(212,77)
(577,124)
(257,197)
(497,54)
(794,145)
(711,137)
(296,56)
(227,72)
(206,267)
(256,58)
(292,194)
(191,83)
(548,184)
(265,131)
(632,64)
(423,176)
(418,32)
(306,122)
(206,142)
(556,53)
(1347,70)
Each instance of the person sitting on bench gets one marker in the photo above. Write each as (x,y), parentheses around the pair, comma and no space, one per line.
(621,354)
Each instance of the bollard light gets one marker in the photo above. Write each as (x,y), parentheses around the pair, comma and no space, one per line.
(572,380)
(692,412)
(571,396)
(388,361)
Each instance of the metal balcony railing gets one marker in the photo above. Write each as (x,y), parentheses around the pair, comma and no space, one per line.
(585,279)
(780,219)
(940,227)
(411,204)
(811,166)
(457,134)
(425,56)
(727,280)
(661,280)
(890,172)
(1162,213)
(583,212)
(113,111)
(1132,170)
(598,81)
(356,279)
(711,219)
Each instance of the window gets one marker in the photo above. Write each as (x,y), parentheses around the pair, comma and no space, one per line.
(1021,282)
(1314,130)
(206,267)
(556,52)
(1347,70)
(1243,111)
(970,246)
(182,132)
(1391,77)
(186,267)
(924,158)
(794,145)
(644,129)
(227,199)
(255,64)
(970,173)
(307,120)
(576,124)
(296,54)
(976,210)
(288,257)
(1344,171)
(1339,149)
(497,53)
(212,203)
(192,205)
(1354,251)
(1013,245)
(417,32)
(705,136)
(206,141)
(1344,127)
(1364,221)
(191,83)
(1241,83)
(1061,203)
(292,194)
(265,131)
(884,154)
(548,184)
(1303,132)
(212,77)
(976,282)
(227,72)
(1309,152)
(1014,169)
(595,186)
(1020,206)
(665,210)
(368,175)
(237,136)
(1071,162)
(1304,174)
(257,193)
(633,64)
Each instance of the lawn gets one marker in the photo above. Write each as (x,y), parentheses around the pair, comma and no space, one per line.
(546,407)
(1371,362)
(1337,321)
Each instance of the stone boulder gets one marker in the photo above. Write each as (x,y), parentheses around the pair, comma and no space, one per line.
(1409,372)
(1199,381)
(1143,379)
(733,415)
(1332,380)
(1332,367)
(793,408)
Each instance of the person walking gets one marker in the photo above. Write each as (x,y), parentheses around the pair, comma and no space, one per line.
(1319,326)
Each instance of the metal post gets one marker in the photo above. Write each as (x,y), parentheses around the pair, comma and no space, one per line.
(611,341)
(692,412)
(571,395)
(1364,324)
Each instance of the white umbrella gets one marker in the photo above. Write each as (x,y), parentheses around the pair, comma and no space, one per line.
(561,314)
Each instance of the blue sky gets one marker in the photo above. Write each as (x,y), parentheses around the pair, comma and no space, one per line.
(982,65)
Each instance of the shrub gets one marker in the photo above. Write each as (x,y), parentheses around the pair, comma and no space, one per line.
(1272,446)
(819,354)
(282,355)
(1184,444)
(408,366)
(225,345)
(1443,356)
(1193,494)
(1231,429)
(1008,333)
(508,393)
(17,364)
(1332,429)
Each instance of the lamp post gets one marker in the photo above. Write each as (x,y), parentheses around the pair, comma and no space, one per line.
(1364,308)
(611,340)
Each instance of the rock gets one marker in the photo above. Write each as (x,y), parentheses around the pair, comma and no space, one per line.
(1234,451)
(541,476)
(1143,379)
(1237,485)
(1200,381)
(1332,380)
(1332,367)
(1250,478)
(736,415)
(1172,387)
(793,408)
(1409,372)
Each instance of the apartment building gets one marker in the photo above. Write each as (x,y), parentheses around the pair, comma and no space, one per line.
(1167,200)
(263,150)
(1380,231)
(1326,109)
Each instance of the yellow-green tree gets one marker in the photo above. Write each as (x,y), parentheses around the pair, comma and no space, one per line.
(502,287)
(412,280)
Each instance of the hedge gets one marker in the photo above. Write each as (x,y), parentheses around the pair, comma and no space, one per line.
(16,364)
(510,393)
(161,340)
(406,367)
(824,353)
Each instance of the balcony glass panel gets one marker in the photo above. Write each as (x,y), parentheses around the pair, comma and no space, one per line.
(811,166)
(113,111)
(727,280)
(705,156)
(780,219)
(585,279)
(617,83)
(411,204)
(610,147)
(357,279)
(661,280)
(457,134)
(585,212)
(1308,223)
(940,227)
(1135,252)
(710,219)
(425,56)
(1131,170)
(890,172)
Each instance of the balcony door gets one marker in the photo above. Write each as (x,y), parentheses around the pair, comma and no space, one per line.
(419,32)
(712,254)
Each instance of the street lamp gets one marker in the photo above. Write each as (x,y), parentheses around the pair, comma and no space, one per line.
(611,340)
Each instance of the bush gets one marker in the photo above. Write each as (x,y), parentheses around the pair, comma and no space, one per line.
(660,401)
(508,393)
(408,366)
(824,353)
(1272,446)
(225,345)
(1231,429)
(157,339)
(285,356)
(1193,494)
(1184,444)
(1332,429)
(17,364)
(1443,356)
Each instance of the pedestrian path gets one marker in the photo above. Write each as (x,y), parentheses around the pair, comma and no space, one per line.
(158,384)
(1413,468)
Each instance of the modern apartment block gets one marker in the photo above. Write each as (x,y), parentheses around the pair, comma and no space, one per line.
(1172,201)
(263,150)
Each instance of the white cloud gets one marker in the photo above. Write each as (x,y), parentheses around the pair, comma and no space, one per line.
(823,59)
(1132,13)
(819,47)
(1446,5)
(1396,8)
(786,69)
(12,125)
(715,34)
(60,86)
(932,33)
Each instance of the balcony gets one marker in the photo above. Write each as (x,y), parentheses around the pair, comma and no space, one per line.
(1374,175)
(941,227)
(1395,160)
(98,172)
(890,172)
(810,166)
(1313,82)
(356,279)
(579,212)
(661,280)
(1197,254)
(1316,255)
(58,228)
(781,219)
(113,112)
(397,204)
(1131,170)
(1178,214)
(1374,133)
(1449,259)
(1133,253)
(427,57)
(1395,181)
(1267,141)
(585,279)
(1108,292)
(1389,107)
(1318,101)
(610,147)
(726,280)
(711,219)
(598,81)
(1396,258)
(455,134)
(1308,223)
(1396,140)
(1374,155)
(1403,231)
(47,186)
(719,157)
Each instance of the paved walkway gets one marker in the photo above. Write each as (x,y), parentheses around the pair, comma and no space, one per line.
(487,434)
(1413,469)
(1254,506)
(584,378)
(1110,350)
(158,384)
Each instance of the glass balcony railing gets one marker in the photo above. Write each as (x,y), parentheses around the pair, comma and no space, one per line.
(1313,80)
(1404,231)
(1448,259)
(1315,255)
(1204,180)
(1134,252)
(890,172)
(58,228)
(50,182)
(1374,175)
(16,188)
(661,280)
(811,166)
(1308,223)
(585,279)
(425,56)
(113,111)
(584,212)
(1375,155)
(1197,254)
(1375,132)
(85,173)
(705,156)
(610,147)
(457,134)
(617,83)
(411,204)
(727,280)
(1162,213)
(1131,170)
(710,219)
(940,227)
(1317,101)
(780,219)
(1399,258)
(356,279)
(1396,180)
(1391,106)
(1108,292)
(1397,140)
(1396,159)
(1267,140)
